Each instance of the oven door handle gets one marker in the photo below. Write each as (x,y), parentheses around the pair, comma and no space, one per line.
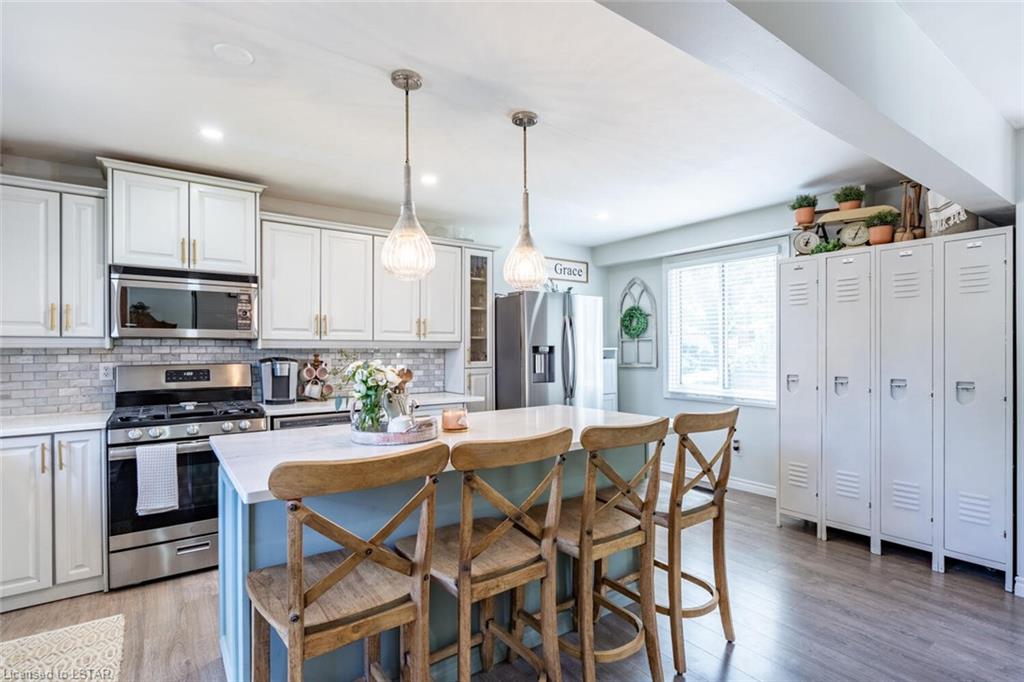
(121,453)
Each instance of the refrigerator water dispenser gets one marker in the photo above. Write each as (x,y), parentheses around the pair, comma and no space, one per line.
(543,364)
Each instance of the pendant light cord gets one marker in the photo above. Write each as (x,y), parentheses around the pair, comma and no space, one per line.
(524,158)
(406,122)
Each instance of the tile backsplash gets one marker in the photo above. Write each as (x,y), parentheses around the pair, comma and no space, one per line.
(48,381)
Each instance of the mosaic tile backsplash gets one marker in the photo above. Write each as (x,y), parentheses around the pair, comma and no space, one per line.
(52,380)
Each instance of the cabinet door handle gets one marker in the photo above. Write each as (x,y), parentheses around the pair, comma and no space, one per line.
(184,260)
(53,317)
(67,317)
(316,324)
(42,458)
(60,455)
(195,252)
(424,327)
(323,325)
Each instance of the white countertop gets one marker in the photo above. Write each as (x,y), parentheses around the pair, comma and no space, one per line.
(53,423)
(318,406)
(248,458)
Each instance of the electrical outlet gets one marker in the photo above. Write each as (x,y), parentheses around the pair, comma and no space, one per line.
(106,371)
(736,445)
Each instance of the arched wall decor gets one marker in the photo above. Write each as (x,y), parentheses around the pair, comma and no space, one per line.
(641,351)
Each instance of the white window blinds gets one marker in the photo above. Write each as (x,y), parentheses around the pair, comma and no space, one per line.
(721,325)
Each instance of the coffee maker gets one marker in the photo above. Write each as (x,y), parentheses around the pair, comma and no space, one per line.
(280,379)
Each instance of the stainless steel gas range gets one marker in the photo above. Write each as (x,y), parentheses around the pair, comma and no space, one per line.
(183,405)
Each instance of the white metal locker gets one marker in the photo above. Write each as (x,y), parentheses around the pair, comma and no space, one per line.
(976,389)
(799,429)
(847,386)
(905,356)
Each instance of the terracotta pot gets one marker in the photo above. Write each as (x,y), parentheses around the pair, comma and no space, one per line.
(804,216)
(881,234)
(849,205)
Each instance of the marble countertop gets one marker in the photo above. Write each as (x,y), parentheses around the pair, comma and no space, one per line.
(247,459)
(53,423)
(317,406)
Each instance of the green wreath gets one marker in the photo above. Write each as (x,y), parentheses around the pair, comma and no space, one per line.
(634,321)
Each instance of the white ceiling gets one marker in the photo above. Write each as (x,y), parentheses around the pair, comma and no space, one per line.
(628,124)
(985,41)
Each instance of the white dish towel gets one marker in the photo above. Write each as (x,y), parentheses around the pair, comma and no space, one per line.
(156,478)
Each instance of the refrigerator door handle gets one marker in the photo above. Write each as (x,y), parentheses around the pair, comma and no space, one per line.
(565,358)
(572,359)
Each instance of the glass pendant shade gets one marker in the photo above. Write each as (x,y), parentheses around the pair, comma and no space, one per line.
(407,253)
(525,268)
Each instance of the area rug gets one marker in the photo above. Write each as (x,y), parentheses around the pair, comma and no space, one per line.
(88,651)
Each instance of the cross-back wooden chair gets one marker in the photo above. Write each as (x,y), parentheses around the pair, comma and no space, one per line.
(596,526)
(686,508)
(481,558)
(322,602)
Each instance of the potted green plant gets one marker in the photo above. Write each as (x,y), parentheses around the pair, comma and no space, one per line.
(849,197)
(881,226)
(803,209)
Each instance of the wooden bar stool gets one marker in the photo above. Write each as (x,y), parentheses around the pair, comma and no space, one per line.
(592,529)
(482,558)
(682,511)
(322,602)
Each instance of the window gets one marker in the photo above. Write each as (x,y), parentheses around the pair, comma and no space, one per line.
(721,324)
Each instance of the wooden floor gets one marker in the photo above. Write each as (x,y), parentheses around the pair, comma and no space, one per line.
(803,610)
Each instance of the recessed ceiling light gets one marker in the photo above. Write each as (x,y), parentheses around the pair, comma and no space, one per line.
(602,215)
(428,179)
(212,134)
(233,54)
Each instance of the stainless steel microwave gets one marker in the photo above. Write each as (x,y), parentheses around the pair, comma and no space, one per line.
(152,303)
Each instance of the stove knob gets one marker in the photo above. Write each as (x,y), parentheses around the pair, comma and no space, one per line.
(135,434)
(156,432)
(192,429)
(244,425)
(226,427)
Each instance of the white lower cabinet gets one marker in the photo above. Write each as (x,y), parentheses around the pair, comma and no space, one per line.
(480,382)
(26,503)
(77,506)
(51,517)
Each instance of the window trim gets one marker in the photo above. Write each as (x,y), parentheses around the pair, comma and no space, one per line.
(777,246)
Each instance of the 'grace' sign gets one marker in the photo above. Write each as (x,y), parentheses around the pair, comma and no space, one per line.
(567,270)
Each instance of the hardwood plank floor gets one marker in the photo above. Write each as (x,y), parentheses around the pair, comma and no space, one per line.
(803,610)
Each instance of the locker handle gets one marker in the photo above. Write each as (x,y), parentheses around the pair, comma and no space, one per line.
(904,254)
(897,388)
(965,385)
(898,383)
(973,245)
(842,384)
(847,260)
(965,392)
(792,380)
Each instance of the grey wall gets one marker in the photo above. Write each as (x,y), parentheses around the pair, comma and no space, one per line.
(49,381)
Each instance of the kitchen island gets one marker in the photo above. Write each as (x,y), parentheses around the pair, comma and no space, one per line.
(252,522)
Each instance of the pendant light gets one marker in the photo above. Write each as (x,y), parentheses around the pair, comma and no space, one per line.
(525,267)
(407,253)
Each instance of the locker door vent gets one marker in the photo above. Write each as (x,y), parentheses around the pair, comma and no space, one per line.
(906,495)
(847,289)
(974,279)
(976,509)
(906,285)
(848,484)
(797,475)
(798,293)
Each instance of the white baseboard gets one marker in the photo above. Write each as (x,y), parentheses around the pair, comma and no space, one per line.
(743,484)
(1019,586)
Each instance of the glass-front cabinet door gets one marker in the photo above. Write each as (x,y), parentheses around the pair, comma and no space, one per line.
(480,321)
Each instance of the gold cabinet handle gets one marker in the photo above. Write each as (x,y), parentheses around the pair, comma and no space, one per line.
(60,455)
(53,317)
(424,327)
(323,325)
(42,458)
(419,326)
(316,324)
(184,262)
(195,251)
(67,317)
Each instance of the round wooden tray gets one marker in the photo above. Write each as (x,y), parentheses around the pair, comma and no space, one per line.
(420,435)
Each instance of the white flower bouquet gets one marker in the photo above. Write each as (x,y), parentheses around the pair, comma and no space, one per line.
(370,382)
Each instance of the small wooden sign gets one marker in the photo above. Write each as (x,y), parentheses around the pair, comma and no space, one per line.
(566,270)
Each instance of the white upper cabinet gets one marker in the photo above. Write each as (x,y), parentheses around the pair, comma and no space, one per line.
(150,226)
(29,262)
(26,515)
(82,267)
(346,286)
(78,506)
(290,282)
(222,229)
(441,297)
(396,303)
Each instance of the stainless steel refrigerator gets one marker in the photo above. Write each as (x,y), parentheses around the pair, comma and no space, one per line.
(548,349)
